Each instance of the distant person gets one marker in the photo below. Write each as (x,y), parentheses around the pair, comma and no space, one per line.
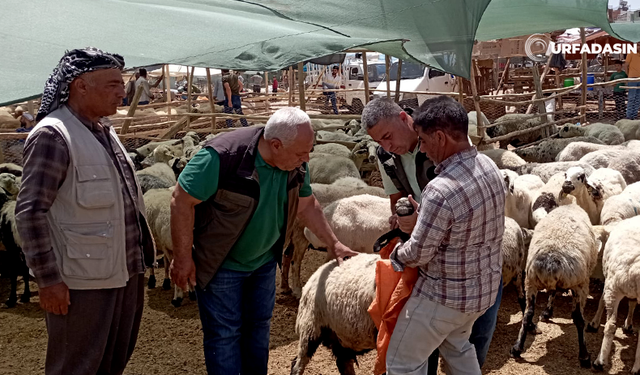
(632,69)
(146,96)
(218,92)
(232,88)
(130,89)
(256,81)
(27,121)
(332,81)
(274,87)
(619,94)
(241,79)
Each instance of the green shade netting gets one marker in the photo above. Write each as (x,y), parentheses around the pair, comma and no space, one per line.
(270,34)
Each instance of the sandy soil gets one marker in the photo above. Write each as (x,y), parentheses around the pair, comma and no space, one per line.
(170,340)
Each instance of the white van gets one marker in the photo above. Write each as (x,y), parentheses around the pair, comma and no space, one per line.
(354,79)
(415,77)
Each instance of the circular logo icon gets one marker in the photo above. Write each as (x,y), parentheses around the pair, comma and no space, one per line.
(536,47)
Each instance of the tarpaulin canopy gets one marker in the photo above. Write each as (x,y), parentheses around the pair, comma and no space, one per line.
(269,35)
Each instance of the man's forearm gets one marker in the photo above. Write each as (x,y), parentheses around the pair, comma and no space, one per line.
(182,220)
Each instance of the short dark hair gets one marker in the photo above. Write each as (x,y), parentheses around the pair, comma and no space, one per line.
(335,67)
(143,72)
(445,114)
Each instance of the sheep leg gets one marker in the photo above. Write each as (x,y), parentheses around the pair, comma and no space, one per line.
(151,284)
(522,301)
(628,323)
(345,359)
(166,284)
(306,349)
(299,249)
(579,301)
(527,324)
(13,294)
(287,255)
(26,296)
(177,296)
(548,312)
(612,302)
(595,322)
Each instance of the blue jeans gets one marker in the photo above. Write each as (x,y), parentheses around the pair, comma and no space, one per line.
(481,334)
(633,103)
(143,102)
(237,108)
(235,310)
(332,96)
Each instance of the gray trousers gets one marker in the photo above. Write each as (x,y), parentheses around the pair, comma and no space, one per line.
(98,334)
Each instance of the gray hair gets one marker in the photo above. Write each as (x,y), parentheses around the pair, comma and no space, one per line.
(379,109)
(283,125)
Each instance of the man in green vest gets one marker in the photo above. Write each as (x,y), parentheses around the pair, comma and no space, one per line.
(231,213)
(406,171)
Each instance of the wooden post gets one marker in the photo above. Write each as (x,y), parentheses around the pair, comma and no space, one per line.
(315,85)
(175,128)
(476,103)
(494,70)
(189,83)
(398,76)
(303,104)
(167,83)
(505,73)
(541,107)
(460,90)
(583,99)
(541,79)
(211,102)
(366,77)
(290,84)
(387,62)
(266,82)
(132,110)
(30,108)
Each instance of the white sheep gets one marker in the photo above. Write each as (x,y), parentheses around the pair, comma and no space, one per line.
(12,168)
(357,221)
(325,194)
(562,254)
(546,170)
(160,170)
(629,128)
(332,149)
(333,311)
(514,256)
(576,150)
(550,149)
(548,198)
(158,205)
(621,263)
(602,158)
(622,206)
(504,159)
(628,164)
(591,192)
(519,196)
(608,134)
(328,168)
(335,136)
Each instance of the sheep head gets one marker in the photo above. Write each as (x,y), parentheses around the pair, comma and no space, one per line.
(9,183)
(595,190)
(574,179)
(509,180)
(570,131)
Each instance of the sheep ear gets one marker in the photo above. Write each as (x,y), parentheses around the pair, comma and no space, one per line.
(581,177)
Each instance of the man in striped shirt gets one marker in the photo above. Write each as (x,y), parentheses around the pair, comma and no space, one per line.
(455,244)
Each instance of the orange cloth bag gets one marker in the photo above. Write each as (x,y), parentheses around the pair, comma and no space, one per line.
(393,289)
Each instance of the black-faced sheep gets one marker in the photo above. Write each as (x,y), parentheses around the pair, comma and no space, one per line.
(608,134)
(546,170)
(591,192)
(12,262)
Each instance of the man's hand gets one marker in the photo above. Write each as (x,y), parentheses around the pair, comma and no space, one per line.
(55,298)
(183,272)
(406,223)
(341,252)
(393,222)
(229,104)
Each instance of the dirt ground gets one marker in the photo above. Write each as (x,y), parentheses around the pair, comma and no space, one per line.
(170,340)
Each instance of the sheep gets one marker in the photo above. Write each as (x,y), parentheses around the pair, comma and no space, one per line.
(335,136)
(364,150)
(519,195)
(325,194)
(620,263)
(148,182)
(356,221)
(329,168)
(550,149)
(332,149)
(608,134)
(629,128)
(628,164)
(158,205)
(514,256)
(601,158)
(622,206)
(10,184)
(592,191)
(13,262)
(516,121)
(12,168)
(546,170)
(161,170)
(333,312)
(504,159)
(576,150)
(147,149)
(163,154)
(562,254)
(548,198)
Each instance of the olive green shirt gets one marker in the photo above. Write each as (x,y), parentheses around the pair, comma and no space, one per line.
(253,249)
